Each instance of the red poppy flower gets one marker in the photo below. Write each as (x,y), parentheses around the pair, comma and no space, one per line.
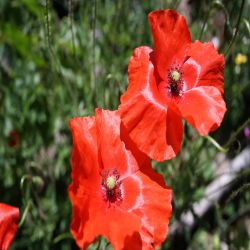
(114,191)
(178,79)
(9,217)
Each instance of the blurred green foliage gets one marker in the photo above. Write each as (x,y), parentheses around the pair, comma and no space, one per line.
(60,59)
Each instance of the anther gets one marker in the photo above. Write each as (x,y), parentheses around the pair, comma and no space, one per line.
(110,182)
(175,82)
(175,75)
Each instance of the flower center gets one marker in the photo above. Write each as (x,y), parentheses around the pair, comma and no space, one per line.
(175,82)
(111,186)
(175,75)
(110,182)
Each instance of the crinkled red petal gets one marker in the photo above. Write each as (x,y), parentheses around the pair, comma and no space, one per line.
(140,72)
(112,151)
(80,202)
(155,128)
(120,227)
(143,160)
(9,217)
(84,136)
(154,207)
(203,107)
(85,185)
(190,74)
(209,66)
(171,39)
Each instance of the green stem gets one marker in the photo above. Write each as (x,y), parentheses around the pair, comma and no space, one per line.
(237,28)
(72,27)
(53,57)
(23,179)
(247,25)
(47,24)
(25,213)
(216,144)
(237,132)
(62,236)
(231,139)
(214,4)
(176,4)
(93,74)
(205,21)
(243,188)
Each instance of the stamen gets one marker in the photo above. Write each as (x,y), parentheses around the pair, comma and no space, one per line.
(110,182)
(111,186)
(175,75)
(175,82)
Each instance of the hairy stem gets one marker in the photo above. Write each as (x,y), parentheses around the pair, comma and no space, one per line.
(236,28)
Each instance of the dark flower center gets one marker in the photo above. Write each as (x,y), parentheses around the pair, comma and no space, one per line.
(175,82)
(111,186)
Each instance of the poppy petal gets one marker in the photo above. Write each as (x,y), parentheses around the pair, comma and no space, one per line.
(143,160)
(190,71)
(84,185)
(203,107)
(92,216)
(154,206)
(79,216)
(209,65)
(140,72)
(155,128)
(84,151)
(117,156)
(9,217)
(149,215)
(171,39)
